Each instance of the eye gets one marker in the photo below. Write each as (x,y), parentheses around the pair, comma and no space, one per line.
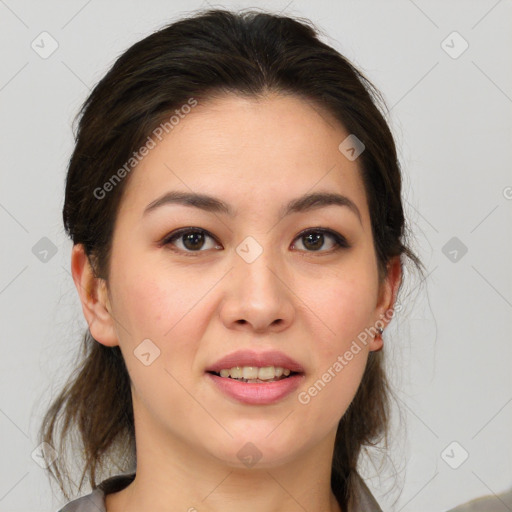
(315,238)
(190,239)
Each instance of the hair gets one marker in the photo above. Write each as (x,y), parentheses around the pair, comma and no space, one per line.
(213,52)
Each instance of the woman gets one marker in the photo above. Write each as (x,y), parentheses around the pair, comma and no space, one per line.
(234,200)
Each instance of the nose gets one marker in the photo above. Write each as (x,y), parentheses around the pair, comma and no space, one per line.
(257,296)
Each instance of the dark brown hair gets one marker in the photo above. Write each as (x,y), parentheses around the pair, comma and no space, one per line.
(212,52)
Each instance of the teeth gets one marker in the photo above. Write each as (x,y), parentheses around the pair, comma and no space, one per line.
(236,372)
(250,372)
(254,372)
(266,373)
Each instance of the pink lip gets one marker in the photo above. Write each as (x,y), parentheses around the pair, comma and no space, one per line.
(257,393)
(252,358)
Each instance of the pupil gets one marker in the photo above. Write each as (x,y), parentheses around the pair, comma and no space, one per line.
(195,238)
(318,237)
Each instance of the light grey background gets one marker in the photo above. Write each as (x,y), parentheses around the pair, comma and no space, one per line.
(450,346)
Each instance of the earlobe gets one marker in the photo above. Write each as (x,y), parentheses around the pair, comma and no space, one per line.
(94,298)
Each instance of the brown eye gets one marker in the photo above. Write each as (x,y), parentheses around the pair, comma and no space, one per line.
(193,240)
(314,239)
(189,240)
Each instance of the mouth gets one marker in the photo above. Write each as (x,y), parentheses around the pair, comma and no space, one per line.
(243,384)
(256,378)
(255,374)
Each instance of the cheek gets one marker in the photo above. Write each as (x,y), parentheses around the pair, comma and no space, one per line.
(146,308)
(156,303)
(162,310)
(342,311)
(171,309)
(340,358)
(344,308)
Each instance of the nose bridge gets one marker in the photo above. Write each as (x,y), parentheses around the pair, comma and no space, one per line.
(257,266)
(257,293)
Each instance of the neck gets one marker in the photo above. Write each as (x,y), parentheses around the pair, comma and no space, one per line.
(173,476)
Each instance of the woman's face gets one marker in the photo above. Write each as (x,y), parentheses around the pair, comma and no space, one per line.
(252,279)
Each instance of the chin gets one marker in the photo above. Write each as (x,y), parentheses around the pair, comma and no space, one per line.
(258,451)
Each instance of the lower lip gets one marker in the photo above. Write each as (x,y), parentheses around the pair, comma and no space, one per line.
(257,393)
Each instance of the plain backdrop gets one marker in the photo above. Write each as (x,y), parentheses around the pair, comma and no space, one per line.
(445,72)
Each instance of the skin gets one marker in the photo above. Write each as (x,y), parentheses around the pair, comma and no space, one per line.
(256,155)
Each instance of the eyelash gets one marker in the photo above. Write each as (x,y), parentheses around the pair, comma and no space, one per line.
(339,240)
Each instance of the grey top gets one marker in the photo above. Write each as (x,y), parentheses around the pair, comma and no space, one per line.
(95,501)
(497,503)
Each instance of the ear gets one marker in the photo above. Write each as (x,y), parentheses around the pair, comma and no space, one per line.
(388,292)
(94,297)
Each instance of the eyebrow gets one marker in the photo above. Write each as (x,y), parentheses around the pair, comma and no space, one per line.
(305,203)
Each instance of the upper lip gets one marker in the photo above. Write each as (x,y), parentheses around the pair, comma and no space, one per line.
(253,358)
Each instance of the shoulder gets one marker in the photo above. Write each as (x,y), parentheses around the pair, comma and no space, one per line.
(95,500)
(363,499)
(494,503)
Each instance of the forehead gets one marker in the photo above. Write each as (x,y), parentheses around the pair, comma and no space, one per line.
(249,151)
